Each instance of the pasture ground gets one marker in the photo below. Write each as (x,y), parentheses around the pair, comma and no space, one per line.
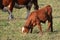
(11,30)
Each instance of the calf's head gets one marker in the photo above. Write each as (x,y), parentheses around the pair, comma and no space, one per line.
(25,29)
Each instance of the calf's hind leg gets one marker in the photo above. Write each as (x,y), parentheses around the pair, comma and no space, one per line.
(50,24)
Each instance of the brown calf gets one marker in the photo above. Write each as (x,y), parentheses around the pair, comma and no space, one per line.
(38,16)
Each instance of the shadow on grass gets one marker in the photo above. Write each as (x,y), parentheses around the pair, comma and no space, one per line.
(57,30)
(54,32)
(56,17)
(49,32)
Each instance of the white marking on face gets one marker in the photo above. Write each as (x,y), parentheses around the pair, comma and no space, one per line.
(22,29)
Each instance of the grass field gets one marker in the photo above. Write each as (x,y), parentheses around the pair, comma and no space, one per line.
(11,30)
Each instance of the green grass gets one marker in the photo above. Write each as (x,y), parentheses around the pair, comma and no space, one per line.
(11,30)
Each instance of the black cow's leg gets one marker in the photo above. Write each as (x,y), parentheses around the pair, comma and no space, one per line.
(10,15)
(35,2)
(28,9)
(10,8)
(6,9)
